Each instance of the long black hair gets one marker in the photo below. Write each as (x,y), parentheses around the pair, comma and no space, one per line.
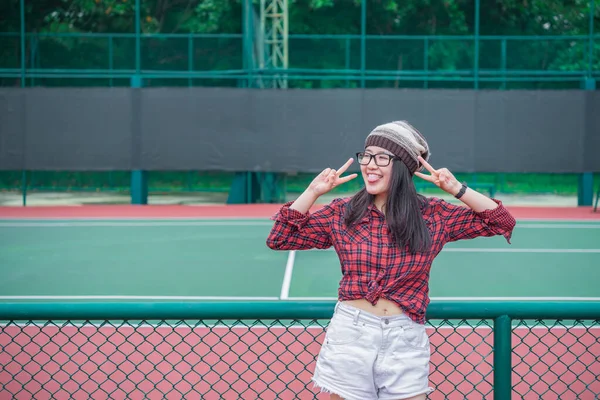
(402,210)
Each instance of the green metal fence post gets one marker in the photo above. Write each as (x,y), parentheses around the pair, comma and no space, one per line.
(426,62)
(347,60)
(33,53)
(110,59)
(23,84)
(502,357)
(190,59)
(23,49)
(139,187)
(503,62)
(24,186)
(585,187)
(248,42)
(138,50)
(139,180)
(591,40)
(363,44)
(240,191)
(476,56)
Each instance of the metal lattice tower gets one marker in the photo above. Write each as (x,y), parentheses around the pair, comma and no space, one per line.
(274,35)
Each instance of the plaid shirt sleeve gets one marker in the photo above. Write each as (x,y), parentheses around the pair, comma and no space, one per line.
(462,222)
(294,230)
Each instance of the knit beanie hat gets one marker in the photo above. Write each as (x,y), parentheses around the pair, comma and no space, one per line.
(402,140)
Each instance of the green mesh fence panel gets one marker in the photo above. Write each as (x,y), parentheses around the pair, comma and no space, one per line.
(315,61)
(273,358)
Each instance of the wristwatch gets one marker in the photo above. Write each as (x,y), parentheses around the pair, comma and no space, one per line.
(462,191)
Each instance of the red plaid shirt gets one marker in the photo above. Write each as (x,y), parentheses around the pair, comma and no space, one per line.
(372,267)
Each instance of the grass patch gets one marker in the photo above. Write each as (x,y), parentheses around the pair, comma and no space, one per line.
(194,181)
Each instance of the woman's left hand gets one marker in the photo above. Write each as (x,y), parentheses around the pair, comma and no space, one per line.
(442,178)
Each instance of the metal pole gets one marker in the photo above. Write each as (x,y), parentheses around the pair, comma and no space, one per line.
(246,50)
(503,61)
(24,186)
(190,58)
(347,61)
(502,357)
(363,38)
(585,189)
(476,58)
(110,60)
(137,37)
(591,41)
(426,62)
(23,66)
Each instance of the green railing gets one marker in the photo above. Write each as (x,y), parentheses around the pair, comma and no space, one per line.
(268,350)
(92,59)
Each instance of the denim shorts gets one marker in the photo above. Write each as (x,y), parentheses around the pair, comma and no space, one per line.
(365,356)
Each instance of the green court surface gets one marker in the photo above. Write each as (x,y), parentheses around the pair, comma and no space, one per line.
(227,259)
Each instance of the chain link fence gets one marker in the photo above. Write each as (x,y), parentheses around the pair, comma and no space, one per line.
(273,358)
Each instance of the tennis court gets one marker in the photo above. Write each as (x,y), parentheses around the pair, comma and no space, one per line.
(226,258)
(197,254)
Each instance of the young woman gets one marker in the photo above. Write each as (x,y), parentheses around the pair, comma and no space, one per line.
(386,237)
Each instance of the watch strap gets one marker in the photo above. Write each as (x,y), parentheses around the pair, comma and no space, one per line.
(462,191)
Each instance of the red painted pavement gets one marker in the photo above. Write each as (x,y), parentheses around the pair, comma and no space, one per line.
(236,211)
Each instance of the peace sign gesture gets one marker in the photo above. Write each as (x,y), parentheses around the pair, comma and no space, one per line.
(442,178)
(330,178)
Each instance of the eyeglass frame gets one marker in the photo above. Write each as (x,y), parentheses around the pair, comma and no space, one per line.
(372,157)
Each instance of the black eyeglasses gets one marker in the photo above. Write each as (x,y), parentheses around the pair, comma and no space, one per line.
(381,159)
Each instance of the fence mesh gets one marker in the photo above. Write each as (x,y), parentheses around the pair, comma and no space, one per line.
(556,359)
(250,359)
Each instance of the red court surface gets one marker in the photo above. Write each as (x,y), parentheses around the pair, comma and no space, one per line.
(240,211)
(269,362)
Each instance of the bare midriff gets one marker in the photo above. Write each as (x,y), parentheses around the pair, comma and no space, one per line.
(383,307)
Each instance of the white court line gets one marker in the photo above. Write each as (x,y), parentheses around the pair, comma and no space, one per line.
(470,298)
(120,297)
(258,298)
(505,250)
(117,218)
(500,250)
(287,278)
(129,224)
(217,222)
(147,218)
(560,219)
(558,226)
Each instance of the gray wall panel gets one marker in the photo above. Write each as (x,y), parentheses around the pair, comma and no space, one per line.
(78,129)
(529,131)
(591,154)
(292,130)
(185,129)
(308,132)
(12,129)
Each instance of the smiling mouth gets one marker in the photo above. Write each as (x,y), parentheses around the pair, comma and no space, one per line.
(372,178)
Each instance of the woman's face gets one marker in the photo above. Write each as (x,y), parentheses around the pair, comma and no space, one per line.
(378,172)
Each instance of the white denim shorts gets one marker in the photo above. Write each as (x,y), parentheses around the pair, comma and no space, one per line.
(366,357)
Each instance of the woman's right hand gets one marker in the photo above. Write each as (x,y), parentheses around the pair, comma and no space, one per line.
(330,178)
